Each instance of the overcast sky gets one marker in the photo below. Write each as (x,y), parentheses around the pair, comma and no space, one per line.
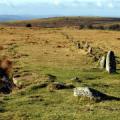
(61,7)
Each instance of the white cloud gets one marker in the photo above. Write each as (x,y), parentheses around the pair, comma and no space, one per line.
(99,4)
(56,2)
(1,2)
(7,3)
(66,3)
(110,5)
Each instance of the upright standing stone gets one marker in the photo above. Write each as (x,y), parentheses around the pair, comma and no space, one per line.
(102,62)
(86,46)
(90,50)
(78,45)
(110,62)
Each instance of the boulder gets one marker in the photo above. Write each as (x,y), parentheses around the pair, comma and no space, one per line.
(17,83)
(89,93)
(110,62)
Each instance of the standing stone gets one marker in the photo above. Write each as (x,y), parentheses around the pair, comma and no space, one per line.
(90,50)
(82,44)
(110,62)
(78,45)
(102,62)
(86,46)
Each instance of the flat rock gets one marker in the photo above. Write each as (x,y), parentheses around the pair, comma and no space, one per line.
(92,94)
(56,86)
(59,86)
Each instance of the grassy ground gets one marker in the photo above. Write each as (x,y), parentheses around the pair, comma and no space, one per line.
(37,52)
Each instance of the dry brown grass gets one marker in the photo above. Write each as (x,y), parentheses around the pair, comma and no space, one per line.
(37,52)
(106,40)
(49,47)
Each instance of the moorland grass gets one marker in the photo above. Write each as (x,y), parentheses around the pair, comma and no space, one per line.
(34,101)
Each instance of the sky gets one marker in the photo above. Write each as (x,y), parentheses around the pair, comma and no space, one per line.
(107,8)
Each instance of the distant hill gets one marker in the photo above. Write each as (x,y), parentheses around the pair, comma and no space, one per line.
(13,17)
(53,22)
(4,18)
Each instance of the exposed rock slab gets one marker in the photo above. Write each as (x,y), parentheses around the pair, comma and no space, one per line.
(92,94)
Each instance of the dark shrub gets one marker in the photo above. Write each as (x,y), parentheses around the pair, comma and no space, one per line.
(90,26)
(28,25)
(81,26)
(100,27)
(114,27)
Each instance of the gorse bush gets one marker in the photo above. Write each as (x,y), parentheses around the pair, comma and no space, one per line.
(28,25)
(114,27)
